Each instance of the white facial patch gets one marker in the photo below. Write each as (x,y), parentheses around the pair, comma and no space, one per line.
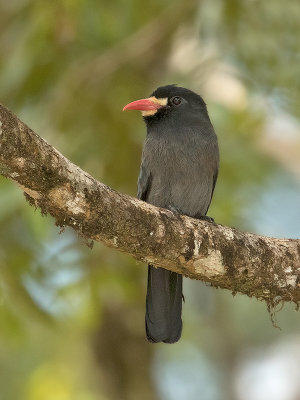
(161,101)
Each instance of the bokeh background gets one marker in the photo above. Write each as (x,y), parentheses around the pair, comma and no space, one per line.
(71,318)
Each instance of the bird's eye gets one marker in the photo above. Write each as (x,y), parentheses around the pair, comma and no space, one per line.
(176,100)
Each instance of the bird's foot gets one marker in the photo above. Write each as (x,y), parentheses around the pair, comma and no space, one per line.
(205,218)
(174,211)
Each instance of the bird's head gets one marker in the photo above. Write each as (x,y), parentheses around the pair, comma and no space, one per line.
(169,102)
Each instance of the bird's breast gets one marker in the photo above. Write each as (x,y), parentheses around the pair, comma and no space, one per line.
(182,174)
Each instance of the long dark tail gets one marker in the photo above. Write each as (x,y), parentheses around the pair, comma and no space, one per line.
(163,305)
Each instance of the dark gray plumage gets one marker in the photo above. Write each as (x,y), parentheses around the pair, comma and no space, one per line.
(178,171)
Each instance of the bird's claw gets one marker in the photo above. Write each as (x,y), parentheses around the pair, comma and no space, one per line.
(174,211)
(206,218)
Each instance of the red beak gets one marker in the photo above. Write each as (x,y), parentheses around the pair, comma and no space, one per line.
(142,105)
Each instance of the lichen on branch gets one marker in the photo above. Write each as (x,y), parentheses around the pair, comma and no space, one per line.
(258,266)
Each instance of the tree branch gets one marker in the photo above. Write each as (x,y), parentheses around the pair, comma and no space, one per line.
(258,266)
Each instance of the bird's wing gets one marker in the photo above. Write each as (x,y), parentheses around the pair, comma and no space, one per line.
(214,182)
(215,177)
(144,183)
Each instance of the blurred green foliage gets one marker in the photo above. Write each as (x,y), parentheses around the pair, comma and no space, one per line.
(72,319)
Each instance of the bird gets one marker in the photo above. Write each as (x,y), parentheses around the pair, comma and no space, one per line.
(179,170)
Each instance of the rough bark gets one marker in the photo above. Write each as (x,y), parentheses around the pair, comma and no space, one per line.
(263,267)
